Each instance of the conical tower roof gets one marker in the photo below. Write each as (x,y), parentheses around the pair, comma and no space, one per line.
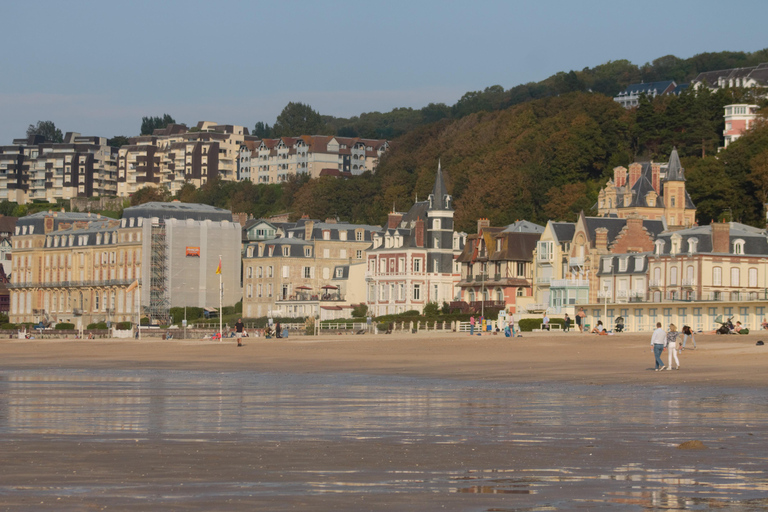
(675,171)
(439,194)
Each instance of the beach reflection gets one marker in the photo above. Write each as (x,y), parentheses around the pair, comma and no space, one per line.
(93,406)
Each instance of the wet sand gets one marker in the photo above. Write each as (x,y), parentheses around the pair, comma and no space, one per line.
(600,468)
(732,360)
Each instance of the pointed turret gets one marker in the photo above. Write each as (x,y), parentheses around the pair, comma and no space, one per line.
(675,171)
(439,198)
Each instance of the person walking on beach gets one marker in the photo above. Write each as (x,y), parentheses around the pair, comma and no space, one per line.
(580,319)
(658,340)
(545,322)
(472,325)
(239,331)
(567,323)
(672,346)
(687,333)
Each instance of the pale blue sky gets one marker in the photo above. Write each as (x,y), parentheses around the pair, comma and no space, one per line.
(98,67)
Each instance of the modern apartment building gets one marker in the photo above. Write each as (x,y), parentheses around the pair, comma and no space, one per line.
(175,155)
(274,160)
(33,169)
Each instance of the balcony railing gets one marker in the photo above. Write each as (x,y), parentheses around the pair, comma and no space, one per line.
(655,283)
(73,284)
(689,282)
(544,280)
(569,283)
(577,261)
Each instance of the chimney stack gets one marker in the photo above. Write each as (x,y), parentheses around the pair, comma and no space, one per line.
(393,220)
(483,223)
(308,226)
(419,232)
(721,237)
(635,171)
(656,177)
(601,240)
(619,176)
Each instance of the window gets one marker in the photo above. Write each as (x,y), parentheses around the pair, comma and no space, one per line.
(342,234)
(738,246)
(498,244)
(693,244)
(659,247)
(260,272)
(735,277)
(545,252)
(417,264)
(638,263)
(359,254)
(673,276)
(326,234)
(520,269)
(250,272)
(753,278)
(269,271)
(359,236)
(326,253)
(607,264)
(520,292)
(286,250)
(416,292)
(436,224)
(436,242)
(717,276)
(343,253)
(249,293)
(307,272)
(307,251)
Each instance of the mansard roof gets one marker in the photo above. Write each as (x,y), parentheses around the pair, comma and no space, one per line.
(755,239)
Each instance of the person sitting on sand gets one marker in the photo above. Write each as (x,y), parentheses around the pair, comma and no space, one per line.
(599,329)
(764,325)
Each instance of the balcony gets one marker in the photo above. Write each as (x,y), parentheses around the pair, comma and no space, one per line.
(577,261)
(544,281)
(689,283)
(73,284)
(569,283)
(656,283)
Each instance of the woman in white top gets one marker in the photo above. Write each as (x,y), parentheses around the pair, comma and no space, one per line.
(672,346)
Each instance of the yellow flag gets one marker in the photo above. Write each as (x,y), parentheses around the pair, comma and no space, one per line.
(132,286)
(218,269)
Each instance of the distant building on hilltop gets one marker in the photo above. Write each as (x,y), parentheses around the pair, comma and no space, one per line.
(630,97)
(275,160)
(750,77)
(738,119)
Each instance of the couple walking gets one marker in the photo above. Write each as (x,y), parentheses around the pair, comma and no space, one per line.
(661,339)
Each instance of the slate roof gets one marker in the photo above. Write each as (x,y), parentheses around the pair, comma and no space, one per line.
(648,88)
(615,225)
(758,73)
(675,171)
(515,247)
(523,226)
(631,268)
(755,239)
(439,192)
(7,224)
(177,210)
(564,231)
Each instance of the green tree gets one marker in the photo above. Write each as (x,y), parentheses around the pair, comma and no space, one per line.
(360,311)
(149,194)
(150,124)
(118,141)
(47,129)
(263,130)
(298,119)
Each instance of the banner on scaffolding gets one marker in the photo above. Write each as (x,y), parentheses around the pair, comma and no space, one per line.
(193,251)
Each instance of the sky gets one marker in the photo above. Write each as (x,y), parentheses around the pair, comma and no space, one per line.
(98,67)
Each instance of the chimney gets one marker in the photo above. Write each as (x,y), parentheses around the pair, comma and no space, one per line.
(419,232)
(483,223)
(656,177)
(331,220)
(721,237)
(393,220)
(635,170)
(619,176)
(308,226)
(601,240)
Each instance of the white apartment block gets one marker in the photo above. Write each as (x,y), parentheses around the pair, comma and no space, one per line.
(275,160)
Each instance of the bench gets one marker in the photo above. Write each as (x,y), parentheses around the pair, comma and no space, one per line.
(550,327)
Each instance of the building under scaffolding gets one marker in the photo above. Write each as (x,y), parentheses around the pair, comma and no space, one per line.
(183,243)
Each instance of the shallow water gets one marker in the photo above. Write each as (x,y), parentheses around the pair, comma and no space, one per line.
(167,407)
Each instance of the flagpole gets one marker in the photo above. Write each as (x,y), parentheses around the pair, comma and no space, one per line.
(221,293)
(138,309)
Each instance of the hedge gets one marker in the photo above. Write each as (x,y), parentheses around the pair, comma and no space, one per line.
(529,324)
(123,326)
(64,327)
(9,326)
(97,325)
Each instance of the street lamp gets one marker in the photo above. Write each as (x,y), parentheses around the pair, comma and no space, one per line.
(605,301)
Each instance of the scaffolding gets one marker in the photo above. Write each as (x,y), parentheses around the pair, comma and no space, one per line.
(159,302)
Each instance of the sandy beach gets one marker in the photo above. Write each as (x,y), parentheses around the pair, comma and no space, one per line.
(733,360)
(500,445)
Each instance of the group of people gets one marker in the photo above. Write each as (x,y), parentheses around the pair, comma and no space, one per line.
(661,339)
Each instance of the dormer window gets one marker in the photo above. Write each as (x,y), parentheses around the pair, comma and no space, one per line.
(693,244)
(307,251)
(498,244)
(738,246)
(659,247)
(436,224)
(286,250)
(607,265)
(623,264)
(638,263)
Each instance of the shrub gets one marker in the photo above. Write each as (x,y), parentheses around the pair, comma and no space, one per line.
(64,327)
(8,326)
(144,321)
(97,325)
(431,309)
(123,326)
(4,319)
(360,311)
(446,309)
(529,324)
(177,314)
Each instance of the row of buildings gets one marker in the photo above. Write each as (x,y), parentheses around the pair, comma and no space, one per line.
(642,258)
(33,169)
